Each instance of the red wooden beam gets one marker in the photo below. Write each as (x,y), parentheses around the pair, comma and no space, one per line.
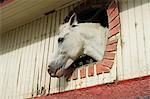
(137,88)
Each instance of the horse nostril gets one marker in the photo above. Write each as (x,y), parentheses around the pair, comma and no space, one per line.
(49,71)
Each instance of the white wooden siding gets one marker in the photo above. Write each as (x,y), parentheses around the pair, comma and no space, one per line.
(135,33)
(25,51)
(24,56)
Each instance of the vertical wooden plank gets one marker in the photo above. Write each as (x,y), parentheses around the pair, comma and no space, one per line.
(3,61)
(140,37)
(47,76)
(35,75)
(119,58)
(47,45)
(18,55)
(28,57)
(22,71)
(42,47)
(33,44)
(12,64)
(125,69)
(19,70)
(1,58)
(8,64)
(146,23)
(32,86)
(23,63)
(54,87)
(36,58)
(45,49)
(133,40)
(5,41)
(42,42)
(138,13)
(5,71)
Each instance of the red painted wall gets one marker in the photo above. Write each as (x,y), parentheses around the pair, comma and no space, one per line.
(138,88)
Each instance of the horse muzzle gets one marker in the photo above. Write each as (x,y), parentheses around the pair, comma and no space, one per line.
(55,73)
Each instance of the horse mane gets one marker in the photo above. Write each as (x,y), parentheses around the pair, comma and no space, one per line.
(90,11)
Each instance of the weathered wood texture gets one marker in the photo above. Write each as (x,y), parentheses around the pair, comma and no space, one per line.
(135,33)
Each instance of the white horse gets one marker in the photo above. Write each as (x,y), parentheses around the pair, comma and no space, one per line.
(75,40)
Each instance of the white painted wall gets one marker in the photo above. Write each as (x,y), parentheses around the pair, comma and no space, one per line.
(135,34)
(24,53)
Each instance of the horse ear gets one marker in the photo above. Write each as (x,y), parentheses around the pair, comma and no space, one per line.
(73,20)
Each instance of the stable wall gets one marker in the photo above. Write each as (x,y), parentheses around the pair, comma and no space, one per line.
(134,58)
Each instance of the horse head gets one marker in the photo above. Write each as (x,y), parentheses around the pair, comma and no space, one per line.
(74,40)
(68,49)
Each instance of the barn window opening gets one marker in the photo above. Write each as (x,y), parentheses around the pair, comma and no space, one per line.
(92,12)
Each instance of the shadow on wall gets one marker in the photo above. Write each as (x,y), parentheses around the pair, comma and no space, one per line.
(43,28)
(30,33)
(19,40)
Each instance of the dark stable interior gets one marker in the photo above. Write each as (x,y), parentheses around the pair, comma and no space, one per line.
(1,1)
(93,12)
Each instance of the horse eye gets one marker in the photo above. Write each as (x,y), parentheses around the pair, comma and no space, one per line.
(74,25)
(60,40)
